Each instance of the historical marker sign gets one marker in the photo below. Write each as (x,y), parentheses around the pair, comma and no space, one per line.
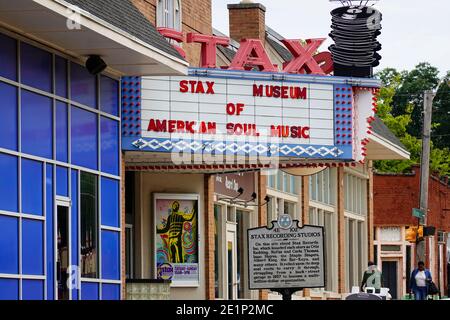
(286,256)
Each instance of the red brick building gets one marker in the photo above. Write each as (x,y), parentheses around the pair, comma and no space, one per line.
(395,195)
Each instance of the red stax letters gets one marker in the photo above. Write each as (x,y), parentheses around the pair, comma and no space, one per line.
(325,60)
(252,54)
(193,86)
(174,35)
(209,50)
(303,56)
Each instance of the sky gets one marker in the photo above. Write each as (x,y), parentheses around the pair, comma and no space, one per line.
(413,31)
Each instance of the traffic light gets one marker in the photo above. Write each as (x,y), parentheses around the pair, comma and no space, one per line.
(411,233)
(414,234)
(420,234)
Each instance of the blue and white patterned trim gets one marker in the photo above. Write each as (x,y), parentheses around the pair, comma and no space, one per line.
(238,149)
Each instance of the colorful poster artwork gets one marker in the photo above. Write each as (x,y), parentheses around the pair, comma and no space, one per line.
(177,240)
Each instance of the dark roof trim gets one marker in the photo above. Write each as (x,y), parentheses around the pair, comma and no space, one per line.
(123,15)
(383,131)
(246,6)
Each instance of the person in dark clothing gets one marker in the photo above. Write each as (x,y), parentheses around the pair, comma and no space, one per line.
(372,277)
(420,277)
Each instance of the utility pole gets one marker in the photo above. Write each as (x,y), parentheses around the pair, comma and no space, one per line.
(425,164)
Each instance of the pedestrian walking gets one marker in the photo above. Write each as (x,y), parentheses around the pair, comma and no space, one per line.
(420,278)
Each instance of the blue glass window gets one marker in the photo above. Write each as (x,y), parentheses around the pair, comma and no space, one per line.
(9,245)
(61,132)
(62,181)
(32,247)
(8,57)
(50,232)
(110,146)
(84,135)
(89,291)
(37,125)
(8,119)
(110,202)
(83,85)
(110,291)
(32,289)
(36,67)
(32,187)
(9,187)
(109,95)
(9,289)
(110,255)
(61,76)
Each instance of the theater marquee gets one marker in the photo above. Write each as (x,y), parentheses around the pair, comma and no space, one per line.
(248,114)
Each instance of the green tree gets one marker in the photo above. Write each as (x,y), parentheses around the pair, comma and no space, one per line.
(410,92)
(400,124)
(441,116)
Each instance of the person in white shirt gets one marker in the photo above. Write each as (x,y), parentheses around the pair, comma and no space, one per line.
(419,280)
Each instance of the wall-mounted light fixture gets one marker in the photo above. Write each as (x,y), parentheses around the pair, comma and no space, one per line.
(245,203)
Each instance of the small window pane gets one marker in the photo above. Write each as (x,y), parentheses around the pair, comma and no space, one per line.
(32,290)
(37,125)
(84,138)
(61,132)
(110,202)
(8,119)
(8,57)
(61,76)
(89,226)
(9,245)
(32,185)
(110,255)
(89,291)
(32,247)
(110,146)
(110,291)
(62,181)
(83,86)
(9,289)
(109,98)
(36,67)
(9,199)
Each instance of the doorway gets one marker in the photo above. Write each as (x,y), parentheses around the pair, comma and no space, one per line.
(390,276)
(62,251)
(232,281)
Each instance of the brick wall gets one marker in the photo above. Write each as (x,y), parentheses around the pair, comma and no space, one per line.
(247,21)
(396,195)
(209,234)
(196,17)
(262,216)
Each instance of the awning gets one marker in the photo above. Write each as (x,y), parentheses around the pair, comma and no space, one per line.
(80,28)
(384,145)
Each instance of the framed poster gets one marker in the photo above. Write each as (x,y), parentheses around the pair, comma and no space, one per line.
(176,238)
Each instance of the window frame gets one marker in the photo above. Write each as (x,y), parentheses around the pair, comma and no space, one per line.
(169,14)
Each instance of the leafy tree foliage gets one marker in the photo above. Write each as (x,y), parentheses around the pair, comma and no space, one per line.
(399,106)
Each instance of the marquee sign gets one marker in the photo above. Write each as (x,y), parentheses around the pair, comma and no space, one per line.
(250,114)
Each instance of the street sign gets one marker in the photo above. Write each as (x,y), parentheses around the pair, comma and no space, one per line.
(286,256)
(418,213)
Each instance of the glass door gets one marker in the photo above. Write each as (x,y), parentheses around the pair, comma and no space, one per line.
(232,281)
(63,252)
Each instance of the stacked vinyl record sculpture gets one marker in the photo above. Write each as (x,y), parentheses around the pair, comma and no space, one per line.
(355,30)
